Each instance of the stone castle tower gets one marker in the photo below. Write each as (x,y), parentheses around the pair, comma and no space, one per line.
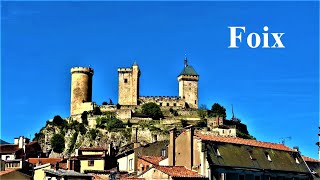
(129,85)
(81,89)
(188,85)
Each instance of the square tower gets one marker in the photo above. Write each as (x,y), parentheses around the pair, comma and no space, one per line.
(128,92)
(188,86)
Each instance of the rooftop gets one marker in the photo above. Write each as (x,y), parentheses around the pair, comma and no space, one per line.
(62,172)
(309,159)
(178,171)
(249,142)
(152,159)
(188,70)
(52,161)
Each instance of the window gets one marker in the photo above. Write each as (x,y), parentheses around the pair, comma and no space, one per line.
(268,156)
(167,104)
(7,157)
(125,80)
(91,163)
(257,178)
(160,104)
(195,101)
(217,151)
(130,164)
(297,161)
(241,177)
(163,153)
(174,104)
(251,155)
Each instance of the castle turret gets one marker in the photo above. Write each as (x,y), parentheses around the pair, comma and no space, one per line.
(81,89)
(188,85)
(129,85)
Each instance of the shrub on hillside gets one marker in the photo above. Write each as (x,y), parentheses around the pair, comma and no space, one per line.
(57,143)
(152,110)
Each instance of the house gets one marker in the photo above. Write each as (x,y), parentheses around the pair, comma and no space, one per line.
(62,174)
(127,156)
(218,157)
(171,172)
(21,149)
(40,164)
(92,158)
(39,171)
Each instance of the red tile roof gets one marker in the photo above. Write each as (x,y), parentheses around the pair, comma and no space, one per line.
(8,171)
(308,159)
(249,142)
(52,161)
(178,171)
(9,148)
(152,159)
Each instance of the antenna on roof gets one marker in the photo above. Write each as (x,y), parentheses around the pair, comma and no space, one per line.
(283,139)
(232,111)
(185,60)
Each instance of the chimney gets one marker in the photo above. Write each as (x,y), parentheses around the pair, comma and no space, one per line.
(57,166)
(189,145)
(154,138)
(172,147)
(77,152)
(134,134)
(21,142)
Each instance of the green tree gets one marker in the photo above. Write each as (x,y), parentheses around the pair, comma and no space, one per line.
(104,103)
(218,110)
(57,121)
(93,133)
(96,111)
(152,110)
(114,123)
(57,143)
(184,123)
(84,117)
(82,129)
(101,122)
(202,111)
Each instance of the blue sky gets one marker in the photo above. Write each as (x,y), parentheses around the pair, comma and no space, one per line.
(274,91)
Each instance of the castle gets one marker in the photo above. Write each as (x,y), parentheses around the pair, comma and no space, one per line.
(128,89)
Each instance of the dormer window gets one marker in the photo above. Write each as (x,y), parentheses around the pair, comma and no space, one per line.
(217,152)
(251,155)
(268,156)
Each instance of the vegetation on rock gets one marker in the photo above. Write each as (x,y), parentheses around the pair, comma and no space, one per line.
(217,110)
(57,143)
(152,110)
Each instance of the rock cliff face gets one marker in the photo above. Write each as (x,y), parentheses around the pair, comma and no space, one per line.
(99,137)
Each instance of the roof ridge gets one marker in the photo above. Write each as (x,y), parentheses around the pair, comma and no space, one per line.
(250,142)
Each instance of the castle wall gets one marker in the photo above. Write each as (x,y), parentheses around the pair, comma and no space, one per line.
(162,101)
(81,88)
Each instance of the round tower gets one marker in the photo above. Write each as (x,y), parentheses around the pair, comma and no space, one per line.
(81,88)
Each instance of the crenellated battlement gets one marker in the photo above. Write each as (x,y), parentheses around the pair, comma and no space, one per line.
(159,97)
(85,70)
(124,69)
(188,77)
